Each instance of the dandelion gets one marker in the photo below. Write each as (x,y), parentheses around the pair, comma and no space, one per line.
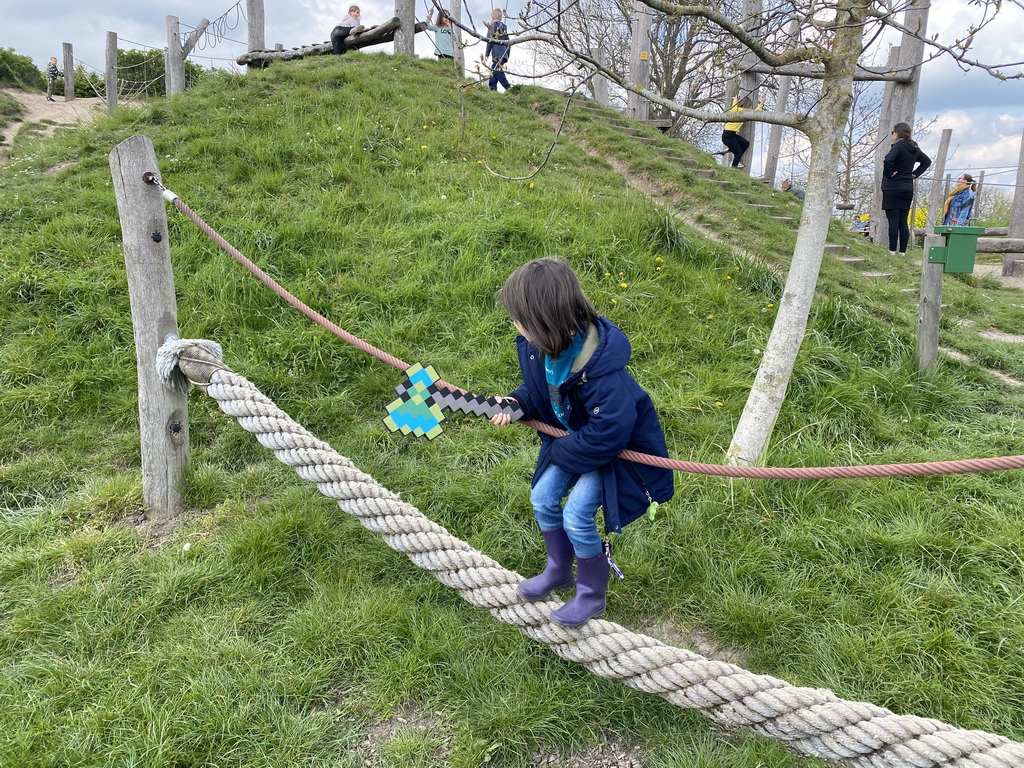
(623,285)
(607,274)
(407,138)
(423,146)
(531,185)
(711,317)
(424,127)
(658,258)
(770,306)
(615,301)
(479,162)
(719,403)
(657,269)
(728,277)
(463,159)
(735,219)
(621,274)
(735,267)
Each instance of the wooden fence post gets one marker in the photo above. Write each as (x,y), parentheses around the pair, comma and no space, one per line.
(111,73)
(174,62)
(257,25)
(937,196)
(637,106)
(405,35)
(68,54)
(1016,229)
(929,307)
(163,413)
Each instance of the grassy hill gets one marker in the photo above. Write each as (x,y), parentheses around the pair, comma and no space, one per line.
(268,629)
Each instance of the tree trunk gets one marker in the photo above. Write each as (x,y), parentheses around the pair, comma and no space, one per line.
(826,135)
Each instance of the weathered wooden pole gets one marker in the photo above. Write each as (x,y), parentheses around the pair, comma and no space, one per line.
(455,9)
(771,159)
(900,104)
(1016,229)
(68,54)
(749,80)
(405,35)
(929,308)
(163,413)
(110,67)
(880,232)
(174,62)
(637,106)
(976,210)
(600,81)
(257,25)
(936,198)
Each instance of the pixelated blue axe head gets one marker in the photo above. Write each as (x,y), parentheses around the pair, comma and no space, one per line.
(417,409)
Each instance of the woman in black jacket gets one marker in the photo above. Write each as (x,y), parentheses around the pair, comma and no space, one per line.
(901,167)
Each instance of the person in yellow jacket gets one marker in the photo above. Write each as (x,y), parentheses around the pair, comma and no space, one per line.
(730,131)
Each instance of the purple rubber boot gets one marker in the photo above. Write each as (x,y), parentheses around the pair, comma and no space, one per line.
(591,588)
(557,574)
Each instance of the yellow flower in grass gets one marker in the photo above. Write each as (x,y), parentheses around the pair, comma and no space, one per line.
(658,258)
(719,403)
(614,301)
(423,146)
(711,317)
(623,285)
(728,277)
(531,185)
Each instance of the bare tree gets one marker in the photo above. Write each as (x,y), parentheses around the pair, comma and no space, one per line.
(842,31)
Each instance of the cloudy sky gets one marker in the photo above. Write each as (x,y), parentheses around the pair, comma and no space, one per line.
(986,114)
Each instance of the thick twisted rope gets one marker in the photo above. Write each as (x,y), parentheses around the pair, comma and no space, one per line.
(811,721)
(955,466)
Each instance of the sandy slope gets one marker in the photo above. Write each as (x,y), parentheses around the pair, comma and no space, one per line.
(49,115)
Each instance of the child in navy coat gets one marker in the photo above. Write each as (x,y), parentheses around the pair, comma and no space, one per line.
(573,363)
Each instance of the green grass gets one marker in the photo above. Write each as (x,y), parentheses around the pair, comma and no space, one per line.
(268,629)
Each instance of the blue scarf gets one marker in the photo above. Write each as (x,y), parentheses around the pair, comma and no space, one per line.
(557,371)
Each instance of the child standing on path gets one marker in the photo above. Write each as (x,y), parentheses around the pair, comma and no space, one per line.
(573,363)
(444,34)
(52,73)
(497,49)
(737,144)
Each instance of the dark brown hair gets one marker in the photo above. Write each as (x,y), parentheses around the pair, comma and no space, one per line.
(902,131)
(970,180)
(745,103)
(544,296)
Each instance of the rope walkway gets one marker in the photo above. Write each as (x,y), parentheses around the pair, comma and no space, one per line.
(810,721)
(955,466)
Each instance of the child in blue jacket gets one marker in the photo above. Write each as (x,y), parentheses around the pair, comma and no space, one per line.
(573,363)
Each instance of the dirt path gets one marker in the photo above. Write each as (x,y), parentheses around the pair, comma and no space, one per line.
(48,115)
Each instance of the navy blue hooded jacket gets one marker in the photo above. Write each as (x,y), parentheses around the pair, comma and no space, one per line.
(608,412)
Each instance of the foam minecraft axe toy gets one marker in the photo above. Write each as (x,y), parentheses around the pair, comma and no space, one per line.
(417,409)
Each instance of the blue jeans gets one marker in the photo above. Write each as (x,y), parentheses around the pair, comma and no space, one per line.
(498,76)
(579,516)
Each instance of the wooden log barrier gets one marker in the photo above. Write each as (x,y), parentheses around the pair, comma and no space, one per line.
(382,33)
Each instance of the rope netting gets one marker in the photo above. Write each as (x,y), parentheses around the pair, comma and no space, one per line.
(810,721)
(953,466)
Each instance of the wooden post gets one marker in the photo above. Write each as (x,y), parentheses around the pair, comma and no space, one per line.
(69,71)
(929,307)
(637,106)
(455,9)
(1016,229)
(937,196)
(879,230)
(111,72)
(600,81)
(257,25)
(771,159)
(405,35)
(748,81)
(174,63)
(976,210)
(163,413)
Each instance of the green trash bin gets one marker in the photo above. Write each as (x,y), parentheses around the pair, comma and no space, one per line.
(957,255)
